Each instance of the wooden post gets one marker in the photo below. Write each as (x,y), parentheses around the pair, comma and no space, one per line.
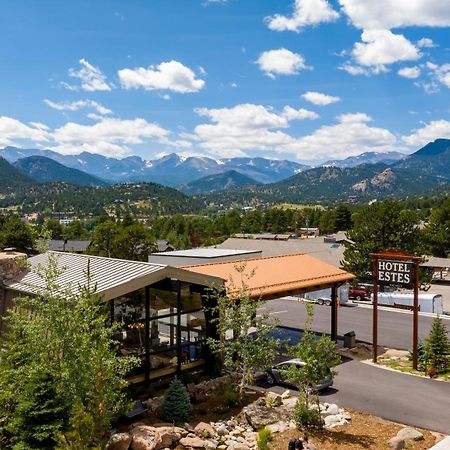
(334,313)
(375,309)
(178,333)
(416,315)
(147,335)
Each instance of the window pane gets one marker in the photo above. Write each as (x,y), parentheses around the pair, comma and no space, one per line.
(162,302)
(190,301)
(130,307)
(163,333)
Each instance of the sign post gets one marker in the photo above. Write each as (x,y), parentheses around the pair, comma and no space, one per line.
(395,268)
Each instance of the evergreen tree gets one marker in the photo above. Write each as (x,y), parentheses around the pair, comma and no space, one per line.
(378,227)
(437,347)
(342,218)
(176,407)
(437,233)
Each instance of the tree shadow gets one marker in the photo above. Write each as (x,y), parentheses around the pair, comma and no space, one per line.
(341,437)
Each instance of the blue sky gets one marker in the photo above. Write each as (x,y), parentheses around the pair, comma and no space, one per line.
(306,80)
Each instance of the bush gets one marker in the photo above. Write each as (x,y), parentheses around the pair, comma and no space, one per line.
(176,407)
(228,395)
(263,439)
(437,347)
(305,417)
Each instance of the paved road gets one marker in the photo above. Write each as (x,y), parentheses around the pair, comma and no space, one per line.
(402,398)
(394,327)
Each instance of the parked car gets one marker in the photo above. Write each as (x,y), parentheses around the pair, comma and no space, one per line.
(277,374)
(359,293)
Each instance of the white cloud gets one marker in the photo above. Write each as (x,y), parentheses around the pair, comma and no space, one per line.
(109,136)
(354,69)
(299,114)
(281,62)
(409,72)
(306,12)
(429,132)
(170,75)
(248,127)
(381,47)
(440,73)
(387,14)
(354,118)
(75,106)
(350,137)
(425,43)
(91,77)
(318,98)
(13,131)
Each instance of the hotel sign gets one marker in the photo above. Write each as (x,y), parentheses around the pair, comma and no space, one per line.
(399,273)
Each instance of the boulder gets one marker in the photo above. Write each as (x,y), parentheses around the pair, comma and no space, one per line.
(278,427)
(260,416)
(396,443)
(410,434)
(222,429)
(145,438)
(119,441)
(286,394)
(205,430)
(170,435)
(334,421)
(273,399)
(194,442)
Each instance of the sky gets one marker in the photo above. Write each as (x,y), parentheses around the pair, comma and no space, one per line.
(304,80)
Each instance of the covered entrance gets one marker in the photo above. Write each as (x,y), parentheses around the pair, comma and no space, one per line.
(280,276)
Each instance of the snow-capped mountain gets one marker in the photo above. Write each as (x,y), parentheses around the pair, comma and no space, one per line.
(366,158)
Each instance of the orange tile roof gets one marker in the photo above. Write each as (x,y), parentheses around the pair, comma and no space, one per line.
(275,275)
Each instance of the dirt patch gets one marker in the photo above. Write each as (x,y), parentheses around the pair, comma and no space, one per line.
(364,432)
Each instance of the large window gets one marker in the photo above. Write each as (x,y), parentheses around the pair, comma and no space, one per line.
(176,326)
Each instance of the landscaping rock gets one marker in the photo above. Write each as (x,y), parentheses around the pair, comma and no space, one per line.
(334,421)
(396,443)
(119,441)
(410,434)
(286,394)
(273,400)
(145,438)
(278,427)
(194,442)
(170,435)
(258,417)
(222,429)
(205,430)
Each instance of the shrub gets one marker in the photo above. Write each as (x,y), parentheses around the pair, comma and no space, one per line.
(176,407)
(305,417)
(437,347)
(229,396)
(263,439)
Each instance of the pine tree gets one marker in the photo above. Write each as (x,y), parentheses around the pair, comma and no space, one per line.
(176,407)
(437,347)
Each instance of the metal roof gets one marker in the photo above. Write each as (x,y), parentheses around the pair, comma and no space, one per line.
(113,277)
(67,246)
(275,276)
(439,263)
(326,252)
(206,253)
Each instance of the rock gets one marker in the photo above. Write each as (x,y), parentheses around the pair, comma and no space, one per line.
(286,394)
(194,442)
(170,435)
(396,443)
(222,429)
(145,438)
(258,417)
(290,402)
(205,430)
(119,441)
(334,421)
(273,400)
(278,427)
(410,434)
(333,409)
(239,446)
(310,446)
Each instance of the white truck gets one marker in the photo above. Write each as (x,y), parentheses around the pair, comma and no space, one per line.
(431,303)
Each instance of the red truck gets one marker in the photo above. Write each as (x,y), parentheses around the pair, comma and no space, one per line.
(359,293)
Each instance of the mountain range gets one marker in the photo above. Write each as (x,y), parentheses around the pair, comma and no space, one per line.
(170,170)
(366,158)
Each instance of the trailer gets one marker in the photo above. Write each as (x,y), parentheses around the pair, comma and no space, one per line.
(323,297)
(431,303)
